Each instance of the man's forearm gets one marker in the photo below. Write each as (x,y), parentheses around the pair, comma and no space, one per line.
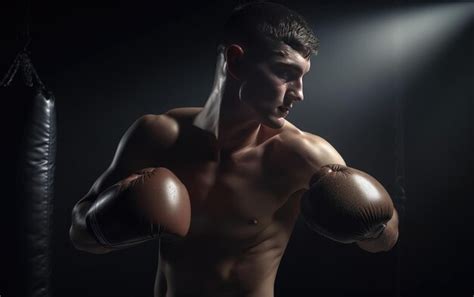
(387,239)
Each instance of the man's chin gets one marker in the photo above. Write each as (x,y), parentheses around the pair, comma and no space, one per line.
(274,122)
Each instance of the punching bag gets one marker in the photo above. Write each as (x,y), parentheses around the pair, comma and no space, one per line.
(27,210)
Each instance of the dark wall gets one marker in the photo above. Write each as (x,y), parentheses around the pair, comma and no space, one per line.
(110,62)
(439,146)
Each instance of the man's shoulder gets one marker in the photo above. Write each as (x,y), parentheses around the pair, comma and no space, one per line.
(183,113)
(169,121)
(294,136)
(161,130)
(151,130)
(310,148)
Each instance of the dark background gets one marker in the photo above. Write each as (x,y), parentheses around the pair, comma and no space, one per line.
(110,62)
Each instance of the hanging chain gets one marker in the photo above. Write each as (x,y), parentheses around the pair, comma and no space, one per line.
(29,74)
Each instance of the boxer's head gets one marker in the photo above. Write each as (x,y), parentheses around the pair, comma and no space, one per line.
(267,48)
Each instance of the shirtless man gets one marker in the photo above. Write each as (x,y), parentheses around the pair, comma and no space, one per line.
(221,185)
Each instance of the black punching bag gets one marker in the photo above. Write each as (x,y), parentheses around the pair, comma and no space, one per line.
(30,142)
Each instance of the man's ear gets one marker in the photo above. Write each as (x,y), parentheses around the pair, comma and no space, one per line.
(234,57)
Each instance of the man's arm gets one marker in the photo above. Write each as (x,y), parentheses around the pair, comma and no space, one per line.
(142,146)
(318,152)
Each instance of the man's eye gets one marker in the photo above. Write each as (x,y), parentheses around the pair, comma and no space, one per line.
(284,74)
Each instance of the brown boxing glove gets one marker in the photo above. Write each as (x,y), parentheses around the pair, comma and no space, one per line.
(346,204)
(139,208)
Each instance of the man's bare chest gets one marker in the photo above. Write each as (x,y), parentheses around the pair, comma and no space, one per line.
(235,196)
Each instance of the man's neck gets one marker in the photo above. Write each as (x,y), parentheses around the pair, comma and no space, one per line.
(232,123)
(229,120)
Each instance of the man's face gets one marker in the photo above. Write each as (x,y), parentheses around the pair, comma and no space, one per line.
(273,83)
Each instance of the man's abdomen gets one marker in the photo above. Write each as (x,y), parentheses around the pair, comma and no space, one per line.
(209,267)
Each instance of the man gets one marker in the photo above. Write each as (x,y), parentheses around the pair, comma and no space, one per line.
(221,185)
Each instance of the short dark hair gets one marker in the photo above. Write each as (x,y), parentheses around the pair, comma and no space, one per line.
(255,23)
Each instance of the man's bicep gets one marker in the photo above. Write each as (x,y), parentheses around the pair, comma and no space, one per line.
(315,152)
(143,145)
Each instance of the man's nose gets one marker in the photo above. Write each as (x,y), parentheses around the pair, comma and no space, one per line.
(296,91)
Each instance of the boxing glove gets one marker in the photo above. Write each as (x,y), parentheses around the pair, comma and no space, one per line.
(140,208)
(345,204)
